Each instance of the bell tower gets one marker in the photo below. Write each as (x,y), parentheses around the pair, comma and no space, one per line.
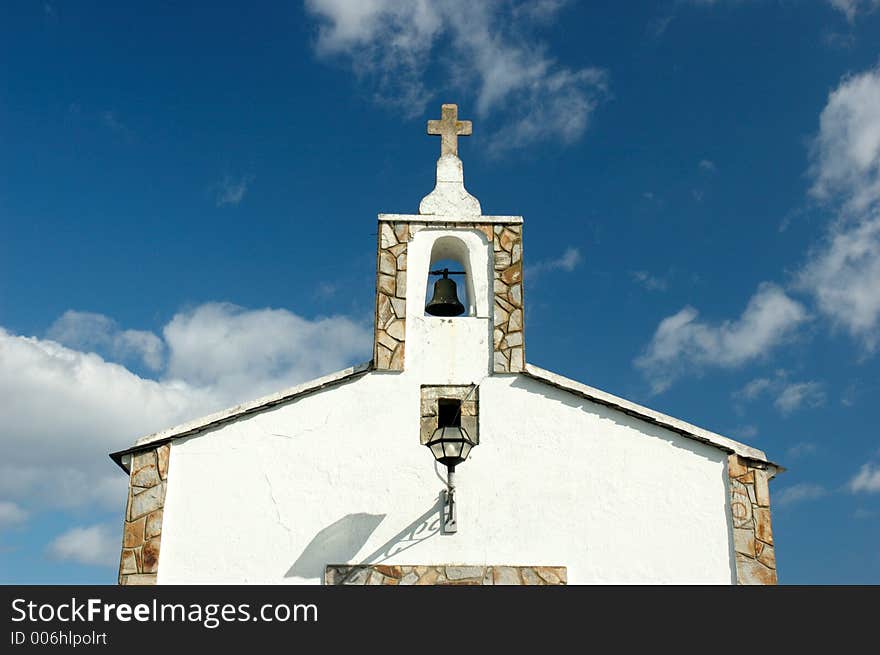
(482,257)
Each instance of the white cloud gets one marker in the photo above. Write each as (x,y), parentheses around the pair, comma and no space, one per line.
(843,275)
(567,261)
(486,49)
(801,449)
(843,272)
(793,396)
(96,545)
(850,8)
(11,513)
(683,343)
(789,395)
(707,166)
(800,492)
(231,350)
(648,281)
(98,333)
(64,410)
(231,190)
(846,152)
(867,479)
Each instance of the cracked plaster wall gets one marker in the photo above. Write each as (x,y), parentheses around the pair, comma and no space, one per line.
(556,480)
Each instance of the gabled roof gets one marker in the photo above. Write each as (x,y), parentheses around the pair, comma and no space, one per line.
(646,414)
(531,371)
(233,413)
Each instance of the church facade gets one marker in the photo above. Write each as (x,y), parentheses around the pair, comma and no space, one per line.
(448,458)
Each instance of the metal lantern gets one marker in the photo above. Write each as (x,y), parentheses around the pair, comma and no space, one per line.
(450,446)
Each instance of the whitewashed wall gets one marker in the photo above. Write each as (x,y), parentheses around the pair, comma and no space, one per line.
(339,476)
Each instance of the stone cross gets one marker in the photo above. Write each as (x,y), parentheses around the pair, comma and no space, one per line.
(449,128)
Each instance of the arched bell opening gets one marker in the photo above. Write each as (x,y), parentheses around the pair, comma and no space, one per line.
(449,287)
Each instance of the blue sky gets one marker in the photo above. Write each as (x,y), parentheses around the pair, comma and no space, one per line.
(188,198)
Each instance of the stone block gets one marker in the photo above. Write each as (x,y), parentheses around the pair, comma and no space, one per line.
(387,263)
(515,295)
(501,315)
(387,284)
(516,321)
(740,505)
(396,363)
(736,466)
(385,340)
(516,252)
(401,232)
(763,530)
(514,339)
(469,423)
(427,407)
(163,454)
(762,488)
(386,236)
(502,260)
(397,329)
(463,572)
(507,239)
(549,574)
(487,231)
(497,337)
(410,578)
(399,307)
(512,274)
(505,305)
(149,501)
(517,360)
(752,572)
(427,426)
(389,571)
(505,575)
(140,579)
(500,288)
(133,533)
(501,363)
(401,285)
(150,555)
(383,357)
(401,261)
(429,577)
(384,309)
(128,563)
(153,526)
(531,578)
(146,476)
(744,541)
(766,555)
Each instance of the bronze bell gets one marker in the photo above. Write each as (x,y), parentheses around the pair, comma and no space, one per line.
(445,301)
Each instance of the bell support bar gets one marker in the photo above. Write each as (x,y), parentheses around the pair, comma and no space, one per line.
(446,271)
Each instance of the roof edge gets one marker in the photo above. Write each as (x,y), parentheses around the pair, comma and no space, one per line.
(649,415)
(232,413)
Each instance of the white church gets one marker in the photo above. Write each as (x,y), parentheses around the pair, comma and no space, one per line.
(448,458)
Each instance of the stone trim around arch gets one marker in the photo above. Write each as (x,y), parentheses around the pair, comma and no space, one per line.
(389,342)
